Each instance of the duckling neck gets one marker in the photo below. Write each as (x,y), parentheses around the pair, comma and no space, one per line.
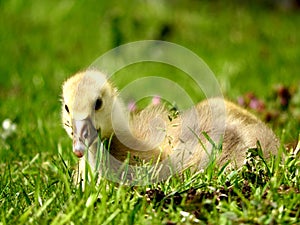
(121,151)
(119,117)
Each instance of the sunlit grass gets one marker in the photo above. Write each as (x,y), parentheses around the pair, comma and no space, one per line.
(259,192)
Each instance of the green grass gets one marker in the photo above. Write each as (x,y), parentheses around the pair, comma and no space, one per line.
(250,47)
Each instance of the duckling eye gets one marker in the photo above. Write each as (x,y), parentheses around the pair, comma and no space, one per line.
(98,104)
(67,109)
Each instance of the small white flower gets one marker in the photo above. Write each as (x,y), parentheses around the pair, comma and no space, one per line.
(8,128)
(6,124)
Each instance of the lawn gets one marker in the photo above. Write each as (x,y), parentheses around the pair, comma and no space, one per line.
(252,48)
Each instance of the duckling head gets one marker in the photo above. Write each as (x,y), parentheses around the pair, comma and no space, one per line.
(86,110)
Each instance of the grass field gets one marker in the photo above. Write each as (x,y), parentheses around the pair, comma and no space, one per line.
(251,47)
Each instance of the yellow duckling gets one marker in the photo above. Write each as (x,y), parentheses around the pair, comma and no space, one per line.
(91,108)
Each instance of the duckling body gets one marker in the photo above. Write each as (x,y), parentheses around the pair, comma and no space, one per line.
(91,106)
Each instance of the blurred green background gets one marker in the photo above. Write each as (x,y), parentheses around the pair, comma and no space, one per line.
(250,46)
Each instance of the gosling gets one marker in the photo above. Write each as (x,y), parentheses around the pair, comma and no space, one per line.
(91,108)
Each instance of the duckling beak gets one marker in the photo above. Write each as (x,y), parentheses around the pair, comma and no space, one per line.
(84,136)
